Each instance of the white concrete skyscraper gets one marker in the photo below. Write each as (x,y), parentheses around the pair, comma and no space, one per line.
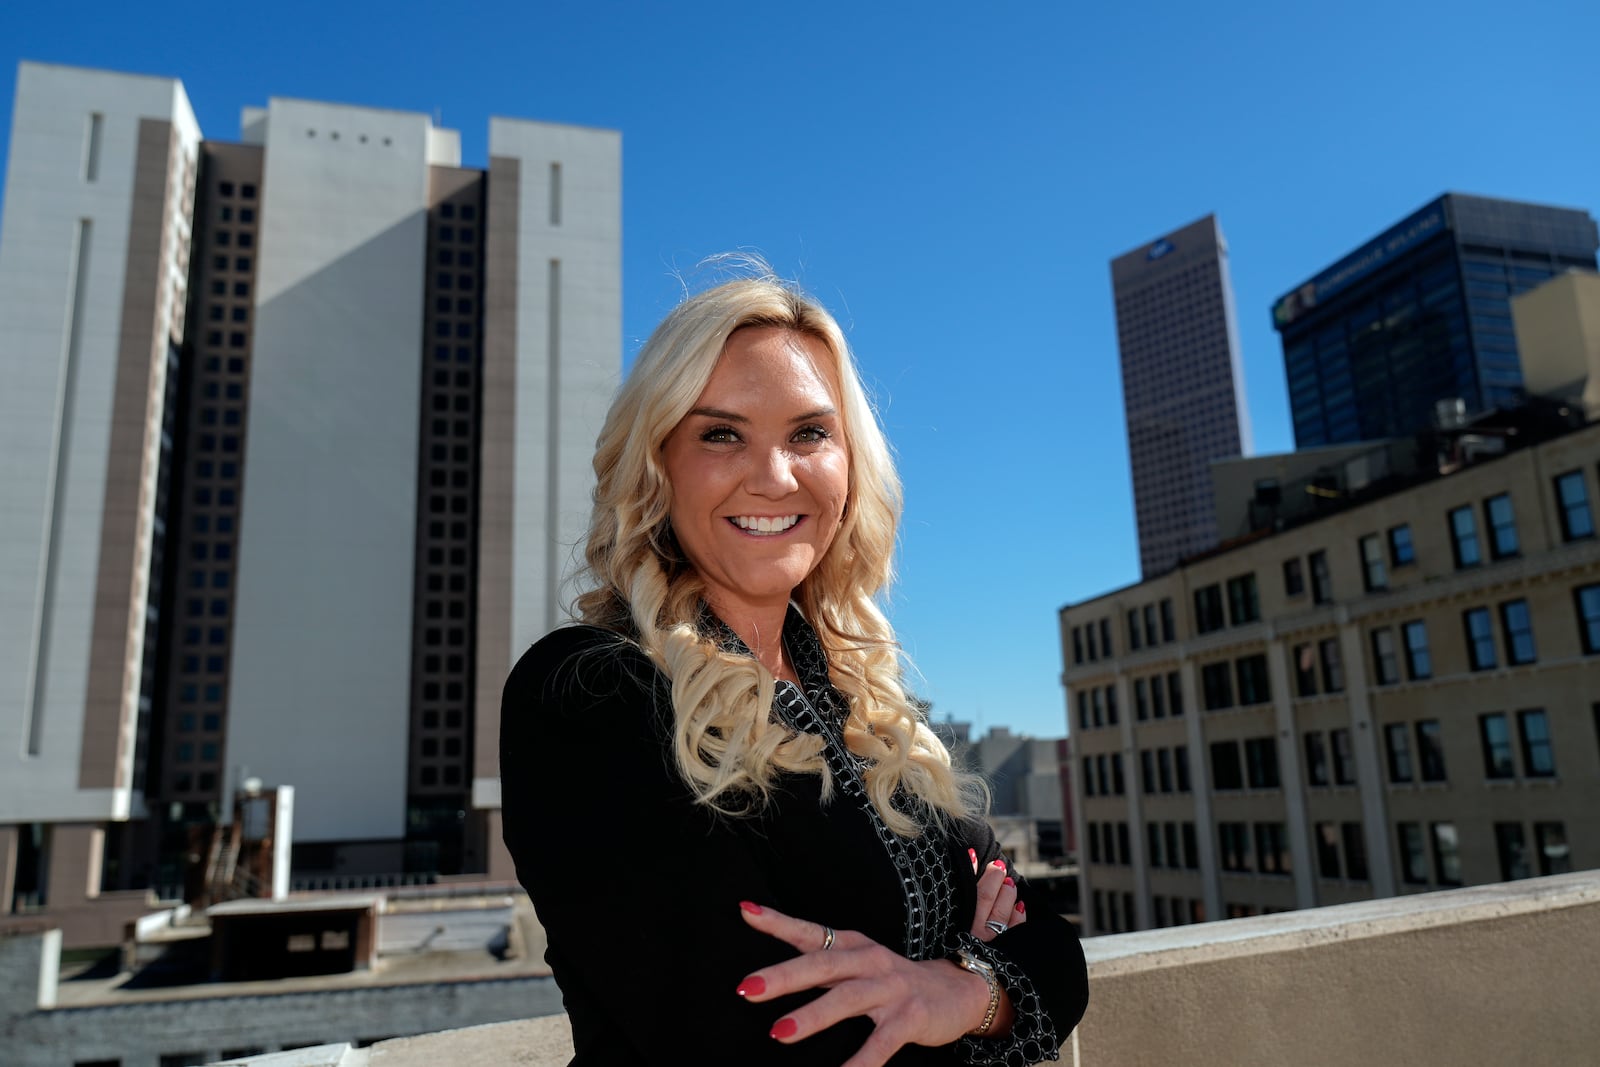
(1182,385)
(297,436)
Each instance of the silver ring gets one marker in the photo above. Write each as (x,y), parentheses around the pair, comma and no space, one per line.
(827,938)
(996,925)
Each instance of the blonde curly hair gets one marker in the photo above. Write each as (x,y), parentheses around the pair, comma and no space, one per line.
(725,744)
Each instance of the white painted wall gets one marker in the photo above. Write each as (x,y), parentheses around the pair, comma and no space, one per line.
(47,193)
(549,521)
(321,667)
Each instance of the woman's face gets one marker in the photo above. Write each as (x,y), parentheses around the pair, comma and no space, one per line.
(760,469)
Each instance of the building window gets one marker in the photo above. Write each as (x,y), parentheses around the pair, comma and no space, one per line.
(1077,644)
(1321,580)
(1088,635)
(1141,699)
(1554,855)
(1419,664)
(1164,766)
(1374,575)
(1480,639)
(1158,696)
(1152,834)
(1191,849)
(1430,751)
(1446,853)
(1495,736)
(1099,700)
(1088,776)
(1294,579)
(1272,848)
(1327,850)
(1111,705)
(1208,609)
(1105,638)
(1147,770)
(1083,709)
(1261,762)
(1254,688)
(1400,548)
(1502,521)
(1332,665)
(1243,603)
(1572,499)
(1216,685)
(1513,849)
(1385,662)
(1174,693)
(1355,851)
(1226,773)
(1518,626)
(1124,851)
(1134,634)
(1538,757)
(1398,744)
(1464,538)
(1118,784)
(1180,759)
(1169,629)
(1344,761)
(1235,840)
(1305,670)
(1316,758)
(1413,856)
(1587,599)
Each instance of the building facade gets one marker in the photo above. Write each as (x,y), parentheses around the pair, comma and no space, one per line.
(1182,386)
(1421,314)
(1398,696)
(298,443)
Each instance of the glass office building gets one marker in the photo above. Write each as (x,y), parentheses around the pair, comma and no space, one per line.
(1420,314)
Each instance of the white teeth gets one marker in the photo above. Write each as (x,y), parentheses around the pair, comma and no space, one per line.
(764,525)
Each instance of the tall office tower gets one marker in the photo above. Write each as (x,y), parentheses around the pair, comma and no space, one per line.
(1421,314)
(93,277)
(375,383)
(1182,387)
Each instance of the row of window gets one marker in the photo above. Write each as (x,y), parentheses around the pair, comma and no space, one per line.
(1217,683)
(1164,770)
(1154,695)
(1236,602)
(1271,854)
(1172,845)
(1243,604)
(1097,706)
(1102,775)
(1552,854)
(1258,769)
(1341,851)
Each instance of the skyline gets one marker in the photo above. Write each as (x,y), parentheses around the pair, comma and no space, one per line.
(985,168)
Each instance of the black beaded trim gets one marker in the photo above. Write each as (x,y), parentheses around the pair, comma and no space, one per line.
(1033,1037)
(816,708)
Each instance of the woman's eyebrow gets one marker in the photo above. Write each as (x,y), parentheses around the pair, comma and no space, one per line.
(729,416)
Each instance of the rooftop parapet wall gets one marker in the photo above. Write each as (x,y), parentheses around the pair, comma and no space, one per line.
(1491,974)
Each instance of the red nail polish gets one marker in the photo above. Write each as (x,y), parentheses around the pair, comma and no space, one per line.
(753,909)
(998,863)
(972,854)
(784,1027)
(1021,907)
(1008,881)
(753,986)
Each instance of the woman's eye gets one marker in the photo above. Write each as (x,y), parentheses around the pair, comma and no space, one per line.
(720,435)
(811,434)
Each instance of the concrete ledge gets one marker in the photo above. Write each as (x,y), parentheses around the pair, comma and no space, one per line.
(1490,974)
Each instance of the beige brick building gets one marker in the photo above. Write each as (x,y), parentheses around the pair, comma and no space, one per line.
(1401,694)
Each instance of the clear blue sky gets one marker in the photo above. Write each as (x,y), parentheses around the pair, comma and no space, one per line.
(952,180)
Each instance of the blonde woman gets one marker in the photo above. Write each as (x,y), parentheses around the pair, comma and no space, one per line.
(795,873)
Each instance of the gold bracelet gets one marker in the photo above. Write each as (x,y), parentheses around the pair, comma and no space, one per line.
(985,970)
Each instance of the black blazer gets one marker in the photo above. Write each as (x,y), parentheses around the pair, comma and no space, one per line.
(638,887)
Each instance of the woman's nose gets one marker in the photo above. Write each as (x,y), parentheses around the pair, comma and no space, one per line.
(772,475)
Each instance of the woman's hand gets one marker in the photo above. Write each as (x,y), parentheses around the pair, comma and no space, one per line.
(997,900)
(931,1002)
